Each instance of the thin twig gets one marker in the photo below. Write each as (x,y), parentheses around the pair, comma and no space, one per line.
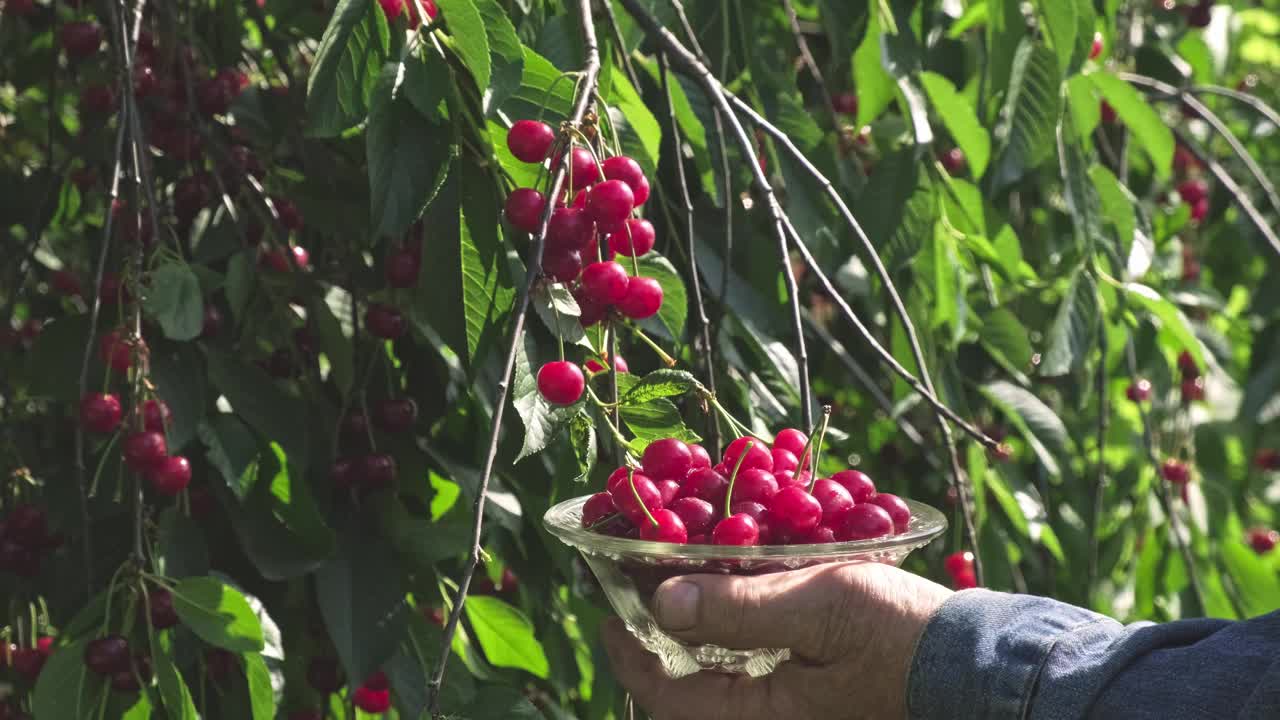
(807,58)
(590,76)
(1100,483)
(1239,195)
(1253,101)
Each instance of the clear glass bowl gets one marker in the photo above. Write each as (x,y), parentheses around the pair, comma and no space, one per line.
(631,570)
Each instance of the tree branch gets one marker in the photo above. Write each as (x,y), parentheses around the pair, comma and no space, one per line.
(1252,101)
(590,77)
(812,65)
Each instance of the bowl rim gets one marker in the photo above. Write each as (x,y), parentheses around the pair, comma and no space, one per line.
(564,520)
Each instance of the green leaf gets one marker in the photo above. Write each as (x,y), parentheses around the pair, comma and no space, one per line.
(506,55)
(659,384)
(507,636)
(416,538)
(582,436)
(408,156)
(1117,205)
(174,300)
(218,614)
(1086,112)
(1079,193)
(361,596)
(501,703)
(542,421)
(262,700)
(487,296)
(260,402)
(560,313)
(354,46)
(66,689)
(1072,334)
(659,418)
(232,450)
(1039,425)
(1169,317)
(239,283)
(179,375)
(1140,117)
(539,89)
(333,343)
(1060,26)
(946,286)
(675,299)
(173,689)
(467,30)
(1029,120)
(638,130)
(1255,580)
(961,121)
(181,550)
(1005,336)
(875,86)
(797,122)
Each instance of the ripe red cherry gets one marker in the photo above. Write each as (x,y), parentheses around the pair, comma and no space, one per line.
(624,498)
(833,497)
(667,458)
(820,535)
(863,522)
(597,508)
(98,100)
(783,460)
(342,473)
(524,209)
(741,530)
(621,167)
(395,9)
(158,609)
(666,527)
(706,484)
(960,567)
(530,140)
(953,161)
(101,412)
(563,266)
(791,439)
(211,324)
(584,172)
(1109,116)
(401,268)
(857,483)
(19,8)
(384,321)
(80,39)
(1184,160)
(144,450)
(377,472)
(754,485)
(897,509)
(27,525)
(610,202)
(845,103)
(1139,391)
(569,229)
(1187,364)
(324,675)
(170,475)
(1175,471)
(396,415)
(605,282)
(592,312)
(1192,389)
(635,238)
(1199,16)
(643,298)
(668,489)
(1193,191)
(794,511)
(699,455)
(1096,49)
(1267,459)
(107,655)
(1262,540)
(28,662)
(116,350)
(156,416)
(561,382)
(757,455)
(696,513)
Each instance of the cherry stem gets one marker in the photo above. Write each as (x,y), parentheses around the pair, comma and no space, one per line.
(817,448)
(559,335)
(733,478)
(631,480)
(662,354)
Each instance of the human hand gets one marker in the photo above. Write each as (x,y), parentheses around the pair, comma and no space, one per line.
(852,630)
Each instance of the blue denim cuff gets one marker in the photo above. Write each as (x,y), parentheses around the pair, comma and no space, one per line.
(980,656)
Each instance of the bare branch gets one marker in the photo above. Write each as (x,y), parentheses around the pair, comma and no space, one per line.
(590,77)
(812,65)
(1253,101)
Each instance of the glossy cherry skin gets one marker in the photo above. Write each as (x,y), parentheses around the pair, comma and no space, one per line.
(845,103)
(833,497)
(144,450)
(107,655)
(592,311)
(170,475)
(623,168)
(794,512)
(863,522)
(524,208)
(700,457)
(643,298)
(378,472)
(530,141)
(561,382)
(583,171)
(371,700)
(159,606)
(953,161)
(857,483)
(634,238)
(757,457)
(597,508)
(668,488)
(666,527)
(1175,471)
(1139,391)
(610,202)
(897,508)
(624,498)
(156,416)
(697,514)
(116,351)
(101,413)
(384,321)
(958,563)
(706,484)
(565,266)
(821,534)
(605,282)
(740,530)
(667,458)
(211,324)
(1262,540)
(401,268)
(754,485)
(569,229)
(783,460)
(1193,191)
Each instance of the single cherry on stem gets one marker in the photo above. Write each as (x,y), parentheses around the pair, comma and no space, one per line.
(530,141)
(857,483)
(561,382)
(750,452)
(697,514)
(156,415)
(144,450)
(107,655)
(643,299)
(170,475)
(740,530)
(597,508)
(792,440)
(667,458)
(834,499)
(744,451)
(569,228)
(401,268)
(605,282)
(638,499)
(583,171)
(384,321)
(101,412)
(635,238)
(610,202)
(666,526)
(897,508)
(794,512)
(524,208)
(706,484)
(623,168)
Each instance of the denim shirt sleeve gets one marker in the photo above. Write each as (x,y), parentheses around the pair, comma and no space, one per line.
(994,655)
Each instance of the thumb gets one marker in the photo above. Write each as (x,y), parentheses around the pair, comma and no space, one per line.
(813,611)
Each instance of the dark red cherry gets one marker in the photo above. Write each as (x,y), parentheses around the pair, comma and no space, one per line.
(953,161)
(583,171)
(1139,391)
(667,458)
(324,675)
(668,488)
(101,412)
(156,415)
(569,229)
(563,266)
(211,324)
(793,511)
(144,450)
(342,473)
(666,527)
(845,103)
(758,456)
(624,498)
(115,349)
(107,655)
(696,513)
(605,282)
(623,168)
(561,382)
(597,508)
(396,415)
(740,530)
(401,268)
(833,497)
(1175,471)
(857,483)
(524,209)
(80,39)
(1262,540)
(634,238)
(897,508)
(755,485)
(643,298)
(863,522)
(170,475)
(377,472)
(530,141)
(706,484)
(159,609)
(385,321)
(27,525)
(610,202)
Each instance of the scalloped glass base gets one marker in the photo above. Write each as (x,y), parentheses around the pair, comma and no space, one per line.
(679,659)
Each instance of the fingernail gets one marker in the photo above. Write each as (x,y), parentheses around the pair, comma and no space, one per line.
(677,605)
